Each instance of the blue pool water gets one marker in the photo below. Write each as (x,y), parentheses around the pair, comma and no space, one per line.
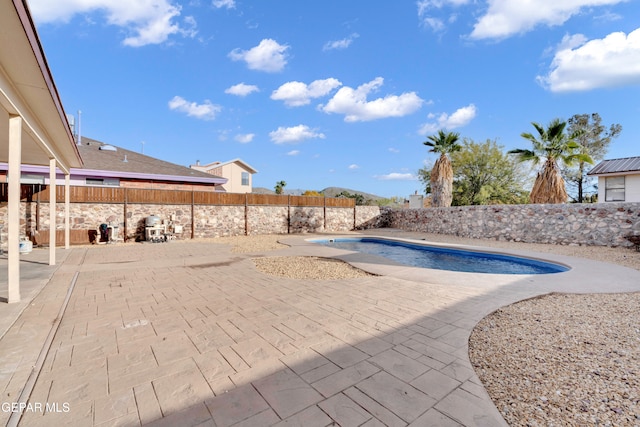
(425,256)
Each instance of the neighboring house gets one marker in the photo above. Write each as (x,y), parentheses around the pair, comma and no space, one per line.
(112,166)
(618,180)
(238,173)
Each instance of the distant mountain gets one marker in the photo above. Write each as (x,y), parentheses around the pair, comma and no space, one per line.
(334,191)
(328,192)
(262,190)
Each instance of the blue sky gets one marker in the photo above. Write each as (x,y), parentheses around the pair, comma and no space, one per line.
(338,93)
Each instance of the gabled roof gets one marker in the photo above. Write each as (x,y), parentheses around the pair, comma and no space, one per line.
(108,160)
(214,165)
(617,166)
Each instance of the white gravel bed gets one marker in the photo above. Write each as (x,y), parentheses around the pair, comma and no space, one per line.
(310,268)
(299,267)
(562,359)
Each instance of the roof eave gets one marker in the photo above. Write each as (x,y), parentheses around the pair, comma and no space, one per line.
(614,173)
(70,150)
(130,175)
(145,176)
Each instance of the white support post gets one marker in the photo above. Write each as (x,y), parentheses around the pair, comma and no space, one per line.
(13,209)
(52,212)
(67,204)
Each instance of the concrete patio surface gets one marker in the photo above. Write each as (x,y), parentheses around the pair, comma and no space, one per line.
(190,334)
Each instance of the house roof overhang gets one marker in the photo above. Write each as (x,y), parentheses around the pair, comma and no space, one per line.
(27,90)
(239,161)
(625,166)
(95,173)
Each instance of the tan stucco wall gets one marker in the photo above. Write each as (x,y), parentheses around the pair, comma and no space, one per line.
(233,172)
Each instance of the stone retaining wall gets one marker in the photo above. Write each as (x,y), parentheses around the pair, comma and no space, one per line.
(202,221)
(601,224)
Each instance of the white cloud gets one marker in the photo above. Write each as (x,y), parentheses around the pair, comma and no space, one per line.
(459,118)
(229,4)
(295,94)
(294,134)
(394,150)
(148,21)
(581,65)
(435,24)
(340,44)
(354,105)
(426,8)
(395,176)
(204,111)
(505,18)
(244,138)
(353,167)
(269,56)
(293,153)
(242,89)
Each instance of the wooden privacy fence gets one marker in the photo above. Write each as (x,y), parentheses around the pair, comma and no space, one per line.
(82,194)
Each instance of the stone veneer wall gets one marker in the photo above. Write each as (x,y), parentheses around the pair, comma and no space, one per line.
(267,219)
(208,220)
(601,224)
(216,221)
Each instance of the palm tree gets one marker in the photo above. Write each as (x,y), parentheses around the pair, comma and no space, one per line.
(441,179)
(279,187)
(550,145)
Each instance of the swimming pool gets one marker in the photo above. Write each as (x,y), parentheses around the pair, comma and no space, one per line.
(440,258)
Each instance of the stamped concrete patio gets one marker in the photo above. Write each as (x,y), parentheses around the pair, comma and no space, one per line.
(189,333)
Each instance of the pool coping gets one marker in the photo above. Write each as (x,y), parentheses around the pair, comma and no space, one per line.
(413,243)
(584,276)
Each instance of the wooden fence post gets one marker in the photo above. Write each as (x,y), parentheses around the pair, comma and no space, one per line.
(289,214)
(246,214)
(124,237)
(193,215)
(324,213)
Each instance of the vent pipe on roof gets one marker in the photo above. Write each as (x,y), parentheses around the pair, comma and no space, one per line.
(125,159)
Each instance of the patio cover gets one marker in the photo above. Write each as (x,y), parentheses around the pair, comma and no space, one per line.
(33,125)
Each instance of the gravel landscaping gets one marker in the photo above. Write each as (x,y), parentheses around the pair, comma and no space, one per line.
(562,359)
(554,360)
(309,268)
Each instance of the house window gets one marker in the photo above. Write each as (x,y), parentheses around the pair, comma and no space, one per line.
(27,178)
(113,182)
(245,178)
(614,189)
